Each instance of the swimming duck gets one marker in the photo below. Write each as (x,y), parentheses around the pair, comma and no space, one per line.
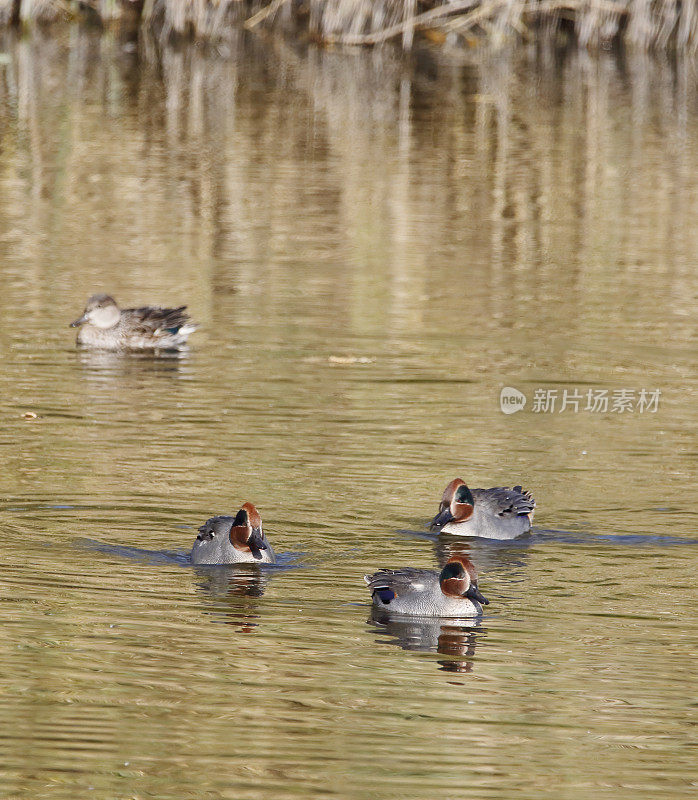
(103,324)
(498,513)
(427,593)
(233,540)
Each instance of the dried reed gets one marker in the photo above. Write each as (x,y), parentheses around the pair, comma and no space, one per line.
(643,24)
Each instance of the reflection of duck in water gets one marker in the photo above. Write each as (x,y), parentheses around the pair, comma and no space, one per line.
(426,593)
(456,638)
(232,540)
(503,558)
(498,513)
(246,580)
(232,592)
(112,364)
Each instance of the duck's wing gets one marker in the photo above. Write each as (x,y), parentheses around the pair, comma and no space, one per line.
(400,581)
(153,320)
(502,501)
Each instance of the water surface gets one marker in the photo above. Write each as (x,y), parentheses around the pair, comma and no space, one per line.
(373,249)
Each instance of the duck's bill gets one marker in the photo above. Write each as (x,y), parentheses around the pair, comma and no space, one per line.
(79,321)
(441,519)
(474,593)
(256,543)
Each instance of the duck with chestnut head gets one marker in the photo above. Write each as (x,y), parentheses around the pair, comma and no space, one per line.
(233,540)
(453,592)
(498,513)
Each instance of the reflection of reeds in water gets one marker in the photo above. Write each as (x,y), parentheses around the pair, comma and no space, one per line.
(642,23)
(458,213)
(486,156)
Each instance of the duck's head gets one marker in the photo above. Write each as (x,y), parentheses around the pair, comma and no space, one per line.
(246,532)
(457,504)
(101,311)
(459,579)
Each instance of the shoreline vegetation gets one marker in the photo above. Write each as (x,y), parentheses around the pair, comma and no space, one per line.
(643,24)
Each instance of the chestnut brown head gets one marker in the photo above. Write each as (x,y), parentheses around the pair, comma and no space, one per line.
(246,531)
(459,579)
(457,505)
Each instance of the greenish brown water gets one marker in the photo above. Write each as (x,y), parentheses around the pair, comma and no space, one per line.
(373,251)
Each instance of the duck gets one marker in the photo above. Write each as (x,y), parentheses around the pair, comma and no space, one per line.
(233,540)
(104,325)
(497,513)
(453,592)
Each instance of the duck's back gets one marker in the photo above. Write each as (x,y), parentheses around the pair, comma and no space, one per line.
(407,591)
(503,512)
(151,326)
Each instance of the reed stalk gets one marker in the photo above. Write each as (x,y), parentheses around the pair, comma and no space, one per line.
(643,24)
